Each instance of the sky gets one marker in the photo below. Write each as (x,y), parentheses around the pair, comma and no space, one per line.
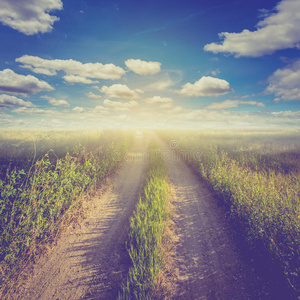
(150,64)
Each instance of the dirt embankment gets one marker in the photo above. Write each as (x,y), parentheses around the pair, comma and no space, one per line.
(89,262)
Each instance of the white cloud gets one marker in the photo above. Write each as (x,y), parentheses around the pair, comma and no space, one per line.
(279,30)
(160,85)
(6,120)
(122,117)
(78,109)
(101,109)
(215,72)
(178,109)
(233,104)
(40,70)
(92,95)
(286,114)
(285,83)
(96,87)
(71,67)
(158,99)
(120,91)
(78,79)
(143,67)
(139,91)
(120,106)
(166,105)
(56,123)
(13,83)
(11,101)
(55,102)
(206,86)
(29,16)
(32,111)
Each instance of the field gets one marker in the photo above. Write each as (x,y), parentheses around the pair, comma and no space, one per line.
(207,175)
(43,175)
(257,174)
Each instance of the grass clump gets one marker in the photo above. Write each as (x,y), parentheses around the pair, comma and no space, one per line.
(147,235)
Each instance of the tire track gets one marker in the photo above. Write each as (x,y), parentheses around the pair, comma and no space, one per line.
(90,262)
(209,263)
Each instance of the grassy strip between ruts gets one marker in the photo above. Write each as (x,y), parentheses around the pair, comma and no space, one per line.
(149,238)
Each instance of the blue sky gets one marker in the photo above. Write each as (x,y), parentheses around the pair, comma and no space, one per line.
(182,64)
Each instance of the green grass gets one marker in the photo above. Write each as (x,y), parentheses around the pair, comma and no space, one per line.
(257,174)
(147,235)
(33,202)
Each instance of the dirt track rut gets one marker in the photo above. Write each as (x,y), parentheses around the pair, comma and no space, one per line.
(209,263)
(89,262)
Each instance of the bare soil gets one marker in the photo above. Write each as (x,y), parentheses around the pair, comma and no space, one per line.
(89,262)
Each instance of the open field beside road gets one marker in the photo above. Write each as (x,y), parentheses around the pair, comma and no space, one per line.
(235,199)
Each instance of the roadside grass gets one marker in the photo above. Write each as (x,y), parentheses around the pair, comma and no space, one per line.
(257,174)
(149,239)
(34,202)
(20,148)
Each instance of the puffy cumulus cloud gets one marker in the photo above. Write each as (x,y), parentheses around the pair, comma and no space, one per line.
(30,16)
(158,99)
(143,67)
(11,101)
(11,82)
(279,30)
(285,83)
(206,86)
(92,95)
(233,104)
(119,105)
(78,109)
(120,91)
(78,79)
(71,67)
(55,102)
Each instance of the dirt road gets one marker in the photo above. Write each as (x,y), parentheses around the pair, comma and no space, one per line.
(210,264)
(89,262)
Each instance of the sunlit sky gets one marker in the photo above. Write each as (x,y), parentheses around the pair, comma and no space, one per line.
(159,63)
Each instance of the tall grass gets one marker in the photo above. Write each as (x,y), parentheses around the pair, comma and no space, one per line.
(258,176)
(147,235)
(33,202)
(22,148)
